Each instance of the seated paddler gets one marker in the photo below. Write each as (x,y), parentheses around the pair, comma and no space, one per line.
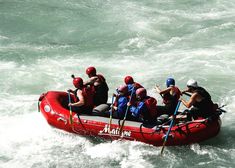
(200,101)
(145,107)
(84,96)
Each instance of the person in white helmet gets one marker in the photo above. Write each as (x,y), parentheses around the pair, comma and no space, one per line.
(200,101)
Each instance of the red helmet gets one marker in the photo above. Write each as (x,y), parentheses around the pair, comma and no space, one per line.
(141,92)
(123,89)
(91,71)
(128,80)
(78,82)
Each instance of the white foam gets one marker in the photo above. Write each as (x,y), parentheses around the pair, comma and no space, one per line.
(112,151)
(154,43)
(128,153)
(3,37)
(29,140)
(5,66)
(38,48)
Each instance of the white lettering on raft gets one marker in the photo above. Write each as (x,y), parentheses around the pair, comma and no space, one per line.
(115,131)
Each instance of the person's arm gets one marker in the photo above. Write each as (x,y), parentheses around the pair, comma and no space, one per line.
(191,101)
(71,91)
(185,91)
(81,101)
(167,90)
(90,81)
(157,88)
(115,103)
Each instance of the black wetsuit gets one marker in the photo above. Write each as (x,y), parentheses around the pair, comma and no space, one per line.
(101,92)
(204,108)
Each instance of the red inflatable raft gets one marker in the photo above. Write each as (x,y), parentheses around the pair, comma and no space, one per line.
(53,106)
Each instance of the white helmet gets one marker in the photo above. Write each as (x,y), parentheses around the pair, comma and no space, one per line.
(192,83)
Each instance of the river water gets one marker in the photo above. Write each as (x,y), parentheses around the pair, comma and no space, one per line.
(43,42)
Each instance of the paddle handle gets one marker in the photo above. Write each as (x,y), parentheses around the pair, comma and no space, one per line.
(70,110)
(187,94)
(111,113)
(127,108)
(171,124)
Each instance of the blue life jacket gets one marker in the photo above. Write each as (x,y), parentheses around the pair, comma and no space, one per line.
(130,87)
(141,108)
(121,106)
(147,108)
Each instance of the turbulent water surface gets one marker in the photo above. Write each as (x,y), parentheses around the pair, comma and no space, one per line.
(43,42)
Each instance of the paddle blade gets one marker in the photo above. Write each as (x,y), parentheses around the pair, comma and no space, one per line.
(121,128)
(70,119)
(70,110)
(163,146)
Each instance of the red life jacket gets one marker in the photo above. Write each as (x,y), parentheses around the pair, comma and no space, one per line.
(104,87)
(137,85)
(151,104)
(88,93)
(177,92)
(168,98)
(101,77)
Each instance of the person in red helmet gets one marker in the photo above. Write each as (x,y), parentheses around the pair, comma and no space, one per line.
(128,80)
(121,101)
(100,85)
(145,108)
(84,96)
(131,84)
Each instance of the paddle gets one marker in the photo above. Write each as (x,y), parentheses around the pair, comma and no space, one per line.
(127,108)
(220,108)
(111,113)
(171,124)
(70,110)
(187,94)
